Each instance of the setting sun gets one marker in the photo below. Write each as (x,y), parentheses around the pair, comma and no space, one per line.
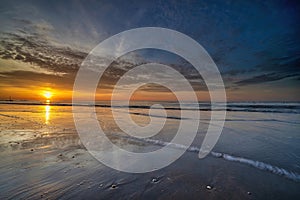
(47,94)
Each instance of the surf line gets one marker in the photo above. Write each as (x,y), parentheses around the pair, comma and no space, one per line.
(256,164)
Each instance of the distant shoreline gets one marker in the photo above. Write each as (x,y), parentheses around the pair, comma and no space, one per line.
(265,107)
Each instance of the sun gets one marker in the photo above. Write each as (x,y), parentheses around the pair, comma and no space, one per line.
(47,94)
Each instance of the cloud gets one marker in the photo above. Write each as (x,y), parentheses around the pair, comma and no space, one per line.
(34,39)
(264,78)
(37,51)
(43,27)
(10,66)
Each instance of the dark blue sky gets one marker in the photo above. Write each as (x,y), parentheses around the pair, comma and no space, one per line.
(255,44)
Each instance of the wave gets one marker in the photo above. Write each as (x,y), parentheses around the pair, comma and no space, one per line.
(230,107)
(229,120)
(158,116)
(253,163)
(259,165)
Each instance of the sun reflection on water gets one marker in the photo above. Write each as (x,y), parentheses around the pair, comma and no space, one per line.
(47,113)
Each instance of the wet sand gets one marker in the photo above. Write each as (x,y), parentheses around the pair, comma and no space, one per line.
(42,157)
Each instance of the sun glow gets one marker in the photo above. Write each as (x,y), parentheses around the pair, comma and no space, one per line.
(47,94)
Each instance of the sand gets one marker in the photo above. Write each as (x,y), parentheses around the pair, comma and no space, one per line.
(42,157)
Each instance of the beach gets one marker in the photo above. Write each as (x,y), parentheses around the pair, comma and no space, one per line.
(256,157)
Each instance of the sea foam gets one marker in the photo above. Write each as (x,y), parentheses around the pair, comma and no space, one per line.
(254,163)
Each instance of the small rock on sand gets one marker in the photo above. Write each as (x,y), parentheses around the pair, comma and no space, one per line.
(209,187)
(155,180)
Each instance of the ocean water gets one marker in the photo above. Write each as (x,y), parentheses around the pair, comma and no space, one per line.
(256,157)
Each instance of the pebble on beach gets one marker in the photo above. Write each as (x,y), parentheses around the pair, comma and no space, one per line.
(209,187)
(155,180)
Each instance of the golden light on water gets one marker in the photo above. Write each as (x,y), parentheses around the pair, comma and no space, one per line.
(47,114)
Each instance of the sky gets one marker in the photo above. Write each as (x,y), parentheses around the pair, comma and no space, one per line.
(255,45)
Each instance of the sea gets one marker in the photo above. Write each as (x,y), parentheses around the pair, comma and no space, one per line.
(257,155)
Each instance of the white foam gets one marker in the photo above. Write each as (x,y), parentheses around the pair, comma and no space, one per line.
(257,164)
(263,166)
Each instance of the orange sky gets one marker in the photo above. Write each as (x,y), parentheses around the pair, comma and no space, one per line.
(36,92)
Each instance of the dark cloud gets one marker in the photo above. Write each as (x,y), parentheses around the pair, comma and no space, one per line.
(264,78)
(24,79)
(282,63)
(33,49)
(235,72)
